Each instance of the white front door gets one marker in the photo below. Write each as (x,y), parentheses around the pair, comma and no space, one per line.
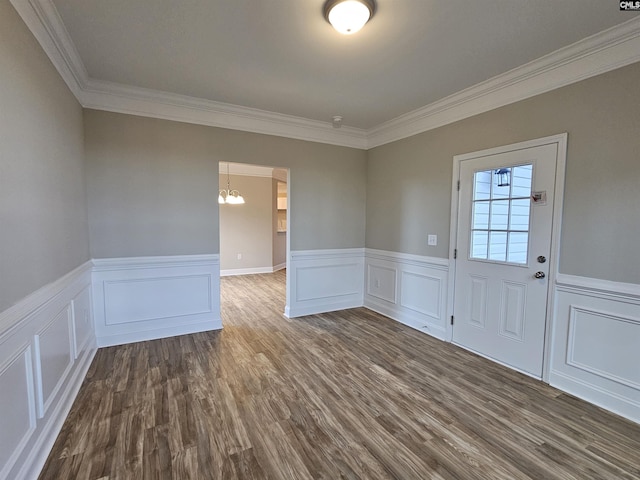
(505,219)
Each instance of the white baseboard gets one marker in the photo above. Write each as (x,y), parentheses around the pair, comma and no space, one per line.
(323,307)
(595,347)
(229,272)
(159,332)
(405,319)
(600,396)
(47,343)
(410,289)
(324,281)
(144,298)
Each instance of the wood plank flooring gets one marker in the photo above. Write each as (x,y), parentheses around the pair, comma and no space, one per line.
(346,395)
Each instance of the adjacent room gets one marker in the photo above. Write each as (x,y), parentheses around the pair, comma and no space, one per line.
(420,261)
(253,219)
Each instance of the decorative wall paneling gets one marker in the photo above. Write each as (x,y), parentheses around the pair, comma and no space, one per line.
(144,298)
(48,340)
(47,343)
(324,280)
(596,343)
(411,289)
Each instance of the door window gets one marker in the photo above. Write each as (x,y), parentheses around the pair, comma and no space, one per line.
(500,214)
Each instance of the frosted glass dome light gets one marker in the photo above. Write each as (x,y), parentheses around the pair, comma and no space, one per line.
(348,16)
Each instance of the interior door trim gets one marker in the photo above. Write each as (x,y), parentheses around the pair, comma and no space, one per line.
(560,141)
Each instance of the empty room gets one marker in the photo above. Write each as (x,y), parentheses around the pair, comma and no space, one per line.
(319,239)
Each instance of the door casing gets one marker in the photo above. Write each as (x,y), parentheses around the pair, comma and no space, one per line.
(561,141)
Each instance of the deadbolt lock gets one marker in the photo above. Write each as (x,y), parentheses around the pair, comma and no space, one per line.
(542,259)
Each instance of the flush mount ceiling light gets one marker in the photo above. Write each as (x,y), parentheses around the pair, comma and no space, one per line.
(348,16)
(228,196)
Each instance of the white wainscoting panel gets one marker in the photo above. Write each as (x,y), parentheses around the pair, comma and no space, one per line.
(18,408)
(41,369)
(596,343)
(53,346)
(145,298)
(324,281)
(127,300)
(381,282)
(83,331)
(411,289)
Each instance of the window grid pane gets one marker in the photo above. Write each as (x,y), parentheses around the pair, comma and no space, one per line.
(518,242)
(499,218)
(501,213)
(498,246)
(480,244)
(481,215)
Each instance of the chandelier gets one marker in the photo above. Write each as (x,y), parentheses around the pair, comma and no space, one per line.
(228,196)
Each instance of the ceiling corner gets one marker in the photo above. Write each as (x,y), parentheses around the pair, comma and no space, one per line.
(599,53)
(605,51)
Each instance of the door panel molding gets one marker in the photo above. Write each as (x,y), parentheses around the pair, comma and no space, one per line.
(512,316)
(560,141)
(478,300)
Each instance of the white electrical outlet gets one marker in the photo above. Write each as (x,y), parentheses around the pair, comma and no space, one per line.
(239,256)
(432,240)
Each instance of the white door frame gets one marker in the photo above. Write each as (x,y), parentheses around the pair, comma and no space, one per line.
(561,142)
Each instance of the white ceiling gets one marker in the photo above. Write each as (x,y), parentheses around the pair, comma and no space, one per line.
(239,64)
(281,55)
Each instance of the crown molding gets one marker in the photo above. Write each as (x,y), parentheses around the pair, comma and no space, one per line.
(114,97)
(600,53)
(605,51)
(45,23)
(43,19)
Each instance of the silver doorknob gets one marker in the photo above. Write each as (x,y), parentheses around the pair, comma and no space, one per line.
(539,275)
(542,259)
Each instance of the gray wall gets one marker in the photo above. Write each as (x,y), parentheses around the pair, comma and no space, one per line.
(43,217)
(150,186)
(409,181)
(251,229)
(247,229)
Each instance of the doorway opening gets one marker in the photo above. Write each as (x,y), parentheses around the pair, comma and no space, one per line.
(254,235)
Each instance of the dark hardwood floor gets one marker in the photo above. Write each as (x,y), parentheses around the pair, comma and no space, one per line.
(346,395)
